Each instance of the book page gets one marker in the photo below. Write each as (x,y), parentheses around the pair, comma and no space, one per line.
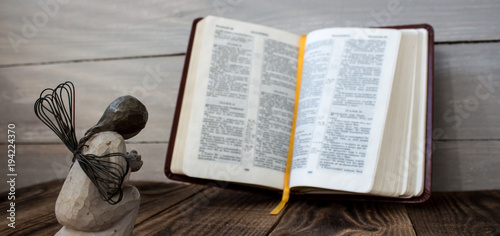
(239,103)
(416,150)
(346,84)
(392,170)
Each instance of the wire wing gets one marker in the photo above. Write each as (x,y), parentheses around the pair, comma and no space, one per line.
(56,109)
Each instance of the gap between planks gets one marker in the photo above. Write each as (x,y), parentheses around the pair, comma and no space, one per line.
(93,60)
(166,142)
(183,54)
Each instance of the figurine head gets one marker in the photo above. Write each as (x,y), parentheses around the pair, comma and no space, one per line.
(126,115)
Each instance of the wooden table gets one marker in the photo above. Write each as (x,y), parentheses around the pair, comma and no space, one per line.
(181,209)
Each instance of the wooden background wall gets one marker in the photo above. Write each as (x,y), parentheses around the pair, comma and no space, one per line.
(112,48)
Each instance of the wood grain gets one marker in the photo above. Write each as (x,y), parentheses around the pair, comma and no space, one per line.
(181,209)
(157,197)
(76,30)
(467,92)
(154,81)
(462,213)
(37,164)
(341,218)
(35,205)
(214,211)
(466,165)
(34,210)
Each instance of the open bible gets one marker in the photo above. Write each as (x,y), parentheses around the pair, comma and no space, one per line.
(339,112)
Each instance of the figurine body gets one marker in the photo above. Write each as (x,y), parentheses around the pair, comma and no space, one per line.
(79,206)
(92,201)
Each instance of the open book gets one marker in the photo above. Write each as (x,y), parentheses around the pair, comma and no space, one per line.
(340,111)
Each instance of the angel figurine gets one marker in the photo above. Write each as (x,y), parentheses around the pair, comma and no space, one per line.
(95,198)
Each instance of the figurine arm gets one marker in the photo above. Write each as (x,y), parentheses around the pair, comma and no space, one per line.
(134,160)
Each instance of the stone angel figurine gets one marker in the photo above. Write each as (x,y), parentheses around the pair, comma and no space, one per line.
(95,198)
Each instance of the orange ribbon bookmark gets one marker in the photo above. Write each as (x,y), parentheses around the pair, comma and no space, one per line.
(286,188)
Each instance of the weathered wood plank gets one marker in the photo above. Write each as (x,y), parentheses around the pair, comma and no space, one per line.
(214,211)
(172,208)
(46,31)
(154,81)
(340,218)
(37,164)
(156,197)
(41,163)
(466,165)
(463,213)
(467,91)
(34,210)
(35,205)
